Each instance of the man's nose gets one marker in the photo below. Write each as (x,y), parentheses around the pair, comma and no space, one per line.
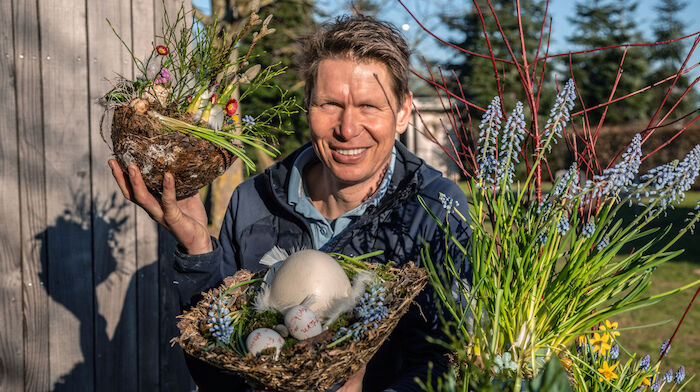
(349,125)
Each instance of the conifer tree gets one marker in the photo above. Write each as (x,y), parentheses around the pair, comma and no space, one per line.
(668,58)
(601,24)
(292,19)
(476,73)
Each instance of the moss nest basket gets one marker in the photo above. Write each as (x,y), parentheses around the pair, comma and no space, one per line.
(317,363)
(140,139)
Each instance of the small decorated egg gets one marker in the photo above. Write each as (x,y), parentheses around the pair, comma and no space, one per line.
(264,338)
(302,323)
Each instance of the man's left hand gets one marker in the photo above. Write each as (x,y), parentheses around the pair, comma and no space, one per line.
(354,383)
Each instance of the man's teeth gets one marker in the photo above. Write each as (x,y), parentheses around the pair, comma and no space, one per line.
(354,151)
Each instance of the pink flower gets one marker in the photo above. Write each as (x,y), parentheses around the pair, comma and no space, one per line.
(231,107)
(164,77)
(212,99)
(162,50)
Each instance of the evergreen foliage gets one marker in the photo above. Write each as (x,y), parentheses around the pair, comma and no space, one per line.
(668,58)
(477,73)
(601,24)
(292,19)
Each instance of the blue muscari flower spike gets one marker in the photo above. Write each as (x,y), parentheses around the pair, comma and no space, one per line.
(542,238)
(370,311)
(488,141)
(618,178)
(588,229)
(513,136)
(645,362)
(559,114)
(665,347)
(680,374)
(655,386)
(603,243)
(448,203)
(563,224)
(248,119)
(669,182)
(668,376)
(614,352)
(568,184)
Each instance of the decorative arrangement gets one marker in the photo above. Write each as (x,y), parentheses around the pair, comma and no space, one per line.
(551,264)
(547,270)
(181,114)
(307,323)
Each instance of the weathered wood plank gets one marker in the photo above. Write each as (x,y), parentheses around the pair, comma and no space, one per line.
(32,195)
(68,204)
(114,221)
(147,238)
(11,353)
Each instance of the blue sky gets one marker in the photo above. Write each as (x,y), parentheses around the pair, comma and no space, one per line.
(560,10)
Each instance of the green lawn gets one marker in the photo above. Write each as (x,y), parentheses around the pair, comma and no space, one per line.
(684,269)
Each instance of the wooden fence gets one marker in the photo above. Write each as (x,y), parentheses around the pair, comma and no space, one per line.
(84,277)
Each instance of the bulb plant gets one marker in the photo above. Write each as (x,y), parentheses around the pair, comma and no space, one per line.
(545,272)
(190,82)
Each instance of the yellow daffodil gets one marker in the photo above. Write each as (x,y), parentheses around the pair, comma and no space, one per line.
(607,372)
(610,328)
(600,343)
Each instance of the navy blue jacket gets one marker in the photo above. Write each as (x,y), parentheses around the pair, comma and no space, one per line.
(259,217)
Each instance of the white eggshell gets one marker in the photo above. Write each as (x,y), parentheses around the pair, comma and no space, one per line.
(312,276)
(302,323)
(264,338)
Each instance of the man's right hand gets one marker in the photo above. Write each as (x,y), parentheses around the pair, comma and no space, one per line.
(185,219)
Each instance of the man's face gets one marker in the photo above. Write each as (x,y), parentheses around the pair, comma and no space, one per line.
(354,119)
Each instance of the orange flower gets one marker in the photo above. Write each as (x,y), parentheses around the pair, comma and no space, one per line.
(566,362)
(162,50)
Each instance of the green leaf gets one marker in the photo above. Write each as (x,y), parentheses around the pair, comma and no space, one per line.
(552,378)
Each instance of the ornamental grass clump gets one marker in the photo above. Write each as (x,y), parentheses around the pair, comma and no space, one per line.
(182,114)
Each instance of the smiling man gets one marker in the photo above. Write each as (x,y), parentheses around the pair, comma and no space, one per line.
(352,190)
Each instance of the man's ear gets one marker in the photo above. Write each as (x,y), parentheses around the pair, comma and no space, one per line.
(404,114)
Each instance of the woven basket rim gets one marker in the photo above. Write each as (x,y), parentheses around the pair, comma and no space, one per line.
(320,371)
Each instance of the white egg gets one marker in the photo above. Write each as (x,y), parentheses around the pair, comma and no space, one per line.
(302,323)
(264,338)
(312,276)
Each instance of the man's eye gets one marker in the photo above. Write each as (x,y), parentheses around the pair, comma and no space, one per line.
(368,106)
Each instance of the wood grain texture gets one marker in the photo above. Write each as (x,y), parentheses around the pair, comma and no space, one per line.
(149,340)
(11,352)
(32,194)
(114,220)
(64,69)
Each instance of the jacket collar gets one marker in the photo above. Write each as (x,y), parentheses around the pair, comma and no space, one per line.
(409,172)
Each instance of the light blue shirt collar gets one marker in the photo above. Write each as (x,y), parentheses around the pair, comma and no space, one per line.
(297,197)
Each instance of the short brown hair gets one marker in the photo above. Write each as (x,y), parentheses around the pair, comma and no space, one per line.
(360,38)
